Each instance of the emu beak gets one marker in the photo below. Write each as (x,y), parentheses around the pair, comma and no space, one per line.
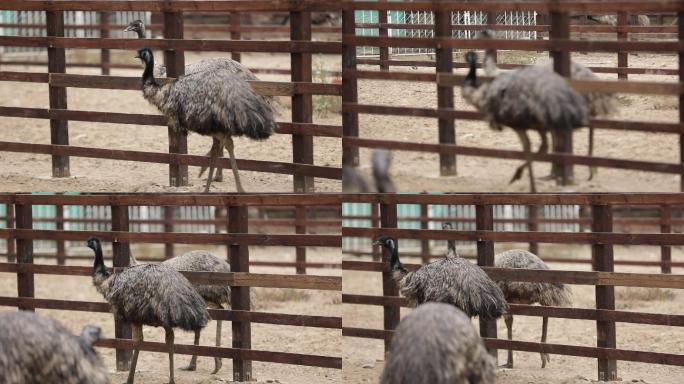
(136,56)
(128,29)
(377,242)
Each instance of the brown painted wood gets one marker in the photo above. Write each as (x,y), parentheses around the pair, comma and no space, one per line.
(168,227)
(240,298)
(680,36)
(445,94)
(562,140)
(541,6)
(350,119)
(300,228)
(121,253)
(622,57)
(175,66)
(666,227)
(391,313)
(59,129)
(602,256)
(11,245)
(424,243)
(59,226)
(302,104)
(25,285)
(235,33)
(104,33)
(484,221)
(532,226)
(383,32)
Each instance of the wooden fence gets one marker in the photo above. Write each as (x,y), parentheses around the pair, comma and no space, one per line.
(301,88)
(626,219)
(240,279)
(560,46)
(601,238)
(302,220)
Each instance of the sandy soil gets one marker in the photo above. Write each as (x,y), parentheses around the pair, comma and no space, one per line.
(364,358)
(29,172)
(153,367)
(417,171)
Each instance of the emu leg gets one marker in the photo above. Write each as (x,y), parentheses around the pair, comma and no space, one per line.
(544,356)
(219,171)
(169,345)
(193,360)
(217,360)
(543,149)
(138,339)
(528,160)
(509,327)
(214,151)
(233,163)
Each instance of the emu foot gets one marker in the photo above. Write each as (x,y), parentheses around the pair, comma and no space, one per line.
(550,176)
(217,366)
(545,359)
(190,368)
(517,175)
(507,365)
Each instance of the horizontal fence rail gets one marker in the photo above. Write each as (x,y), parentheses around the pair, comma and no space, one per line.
(22,234)
(481,229)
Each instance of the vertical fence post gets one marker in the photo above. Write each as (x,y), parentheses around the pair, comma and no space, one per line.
(602,260)
(11,249)
(239,262)
(350,119)
(533,226)
(59,224)
(680,37)
(491,20)
(383,32)
(484,221)
(562,141)
(24,220)
(391,313)
(302,104)
(424,243)
(622,58)
(168,227)
(444,62)
(175,66)
(666,250)
(104,33)
(121,253)
(375,223)
(59,129)
(235,33)
(300,228)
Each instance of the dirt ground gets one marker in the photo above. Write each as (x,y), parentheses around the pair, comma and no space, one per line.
(153,367)
(419,171)
(364,358)
(29,172)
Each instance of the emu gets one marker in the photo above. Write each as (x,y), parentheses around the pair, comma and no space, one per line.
(214,103)
(36,349)
(437,344)
(214,295)
(149,294)
(641,20)
(529,98)
(354,182)
(518,292)
(599,103)
(452,280)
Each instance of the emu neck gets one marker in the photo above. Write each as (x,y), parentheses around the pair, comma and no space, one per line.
(100,272)
(451,247)
(148,74)
(141,33)
(395,263)
(471,78)
(490,62)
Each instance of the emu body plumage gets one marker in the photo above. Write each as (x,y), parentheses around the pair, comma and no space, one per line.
(214,295)
(149,294)
(437,344)
(523,292)
(528,98)
(451,280)
(37,350)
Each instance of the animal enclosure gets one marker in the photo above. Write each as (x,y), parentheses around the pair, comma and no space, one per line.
(238,239)
(599,233)
(370,116)
(300,89)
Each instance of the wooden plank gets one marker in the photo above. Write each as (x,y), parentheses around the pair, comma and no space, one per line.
(322,130)
(368,333)
(121,253)
(32,77)
(424,243)
(622,57)
(540,6)
(680,54)
(561,140)
(104,33)
(665,227)
(510,154)
(168,212)
(391,314)
(445,95)
(59,226)
(25,285)
(59,129)
(532,226)
(383,32)
(11,245)
(175,6)
(300,252)
(302,104)
(350,118)
(484,221)
(602,260)
(235,28)
(240,300)
(166,158)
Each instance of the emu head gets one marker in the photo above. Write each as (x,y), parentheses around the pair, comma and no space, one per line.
(447,226)
(486,34)
(91,334)
(136,26)
(471,57)
(387,242)
(93,243)
(145,55)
